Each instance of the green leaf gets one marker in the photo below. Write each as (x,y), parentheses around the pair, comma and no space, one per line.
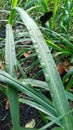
(14,107)
(29,4)
(49,68)
(10,60)
(13,12)
(70,83)
(68,74)
(44,85)
(21,70)
(14,3)
(10,55)
(4,90)
(36,83)
(57,128)
(11,17)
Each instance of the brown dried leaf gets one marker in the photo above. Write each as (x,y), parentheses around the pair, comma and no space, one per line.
(1,66)
(61,69)
(7,104)
(27,54)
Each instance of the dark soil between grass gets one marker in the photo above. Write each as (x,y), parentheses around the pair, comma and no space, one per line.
(27,113)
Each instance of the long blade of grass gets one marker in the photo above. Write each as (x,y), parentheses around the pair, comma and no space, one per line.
(10,55)
(10,60)
(29,4)
(21,70)
(68,74)
(14,3)
(56,4)
(70,83)
(36,83)
(44,85)
(12,13)
(49,68)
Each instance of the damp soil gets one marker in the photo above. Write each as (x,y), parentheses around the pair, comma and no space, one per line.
(27,113)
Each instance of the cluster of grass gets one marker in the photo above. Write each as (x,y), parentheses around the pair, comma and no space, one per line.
(56,35)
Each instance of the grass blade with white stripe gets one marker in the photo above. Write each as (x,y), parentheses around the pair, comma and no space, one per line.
(10,55)
(10,60)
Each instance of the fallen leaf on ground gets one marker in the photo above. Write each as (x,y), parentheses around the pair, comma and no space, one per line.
(27,54)
(7,104)
(61,69)
(30,124)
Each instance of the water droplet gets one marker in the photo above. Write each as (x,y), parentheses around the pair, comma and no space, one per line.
(29,28)
(39,57)
(12,48)
(47,77)
(48,51)
(39,35)
(34,41)
(24,83)
(52,95)
(43,65)
(35,46)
